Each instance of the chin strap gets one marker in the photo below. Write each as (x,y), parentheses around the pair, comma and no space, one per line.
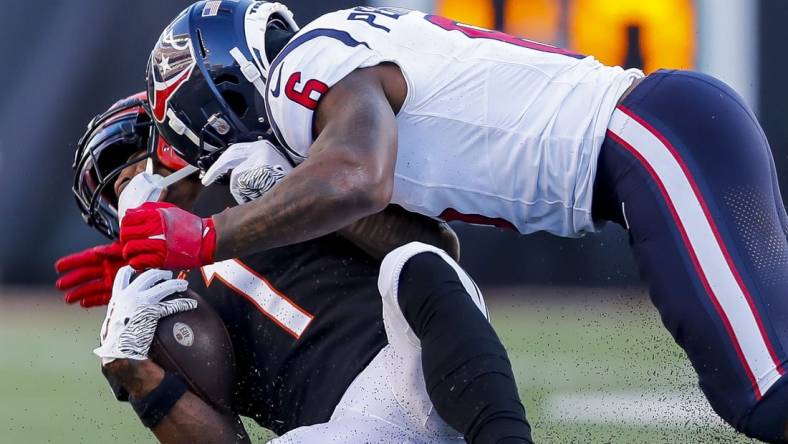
(180,128)
(249,70)
(182,173)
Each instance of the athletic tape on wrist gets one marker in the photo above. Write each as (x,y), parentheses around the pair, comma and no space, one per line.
(157,404)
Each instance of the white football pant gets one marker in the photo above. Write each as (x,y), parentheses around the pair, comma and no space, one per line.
(388,401)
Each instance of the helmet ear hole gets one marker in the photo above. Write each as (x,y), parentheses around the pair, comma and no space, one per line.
(236,102)
(226,78)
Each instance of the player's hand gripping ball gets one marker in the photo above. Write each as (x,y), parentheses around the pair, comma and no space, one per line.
(134,312)
(87,276)
(161,235)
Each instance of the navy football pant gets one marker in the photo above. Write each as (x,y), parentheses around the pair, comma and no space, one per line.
(687,169)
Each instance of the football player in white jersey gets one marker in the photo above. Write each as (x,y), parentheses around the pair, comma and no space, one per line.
(384,105)
(331,345)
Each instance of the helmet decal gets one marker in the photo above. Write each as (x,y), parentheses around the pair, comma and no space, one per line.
(207,75)
(172,62)
(211,8)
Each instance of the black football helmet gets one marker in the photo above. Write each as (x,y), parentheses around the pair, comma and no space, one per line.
(207,76)
(106,149)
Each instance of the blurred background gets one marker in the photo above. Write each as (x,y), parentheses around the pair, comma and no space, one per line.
(572,311)
(70,60)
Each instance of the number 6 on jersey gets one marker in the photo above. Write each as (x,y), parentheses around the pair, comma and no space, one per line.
(310,92)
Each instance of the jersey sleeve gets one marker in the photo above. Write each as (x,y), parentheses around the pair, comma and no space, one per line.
(316,59)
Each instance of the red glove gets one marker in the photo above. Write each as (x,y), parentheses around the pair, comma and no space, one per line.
(161,235)
(87,276)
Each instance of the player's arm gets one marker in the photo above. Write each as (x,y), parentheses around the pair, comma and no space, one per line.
(349,174)
(191,420)
(394,227)
(161,399)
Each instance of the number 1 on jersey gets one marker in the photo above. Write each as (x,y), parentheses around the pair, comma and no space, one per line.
(259,292)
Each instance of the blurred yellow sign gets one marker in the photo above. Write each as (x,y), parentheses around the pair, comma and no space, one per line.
(664,31)
(647,34)
(473,12)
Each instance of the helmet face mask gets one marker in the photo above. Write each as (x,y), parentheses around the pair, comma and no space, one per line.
(206,80)
(102,154)
(121,137)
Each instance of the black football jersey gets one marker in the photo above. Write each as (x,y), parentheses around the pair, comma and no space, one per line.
(304,321)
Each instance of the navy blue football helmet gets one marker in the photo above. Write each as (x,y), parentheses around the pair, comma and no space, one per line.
(207,76)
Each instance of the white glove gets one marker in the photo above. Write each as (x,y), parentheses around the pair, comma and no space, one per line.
(256,167)
(135,310)
(144,187)
(147,187)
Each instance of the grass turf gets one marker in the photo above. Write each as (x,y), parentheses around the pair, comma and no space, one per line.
(561,342)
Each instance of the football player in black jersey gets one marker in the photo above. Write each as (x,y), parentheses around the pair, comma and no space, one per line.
(319,358)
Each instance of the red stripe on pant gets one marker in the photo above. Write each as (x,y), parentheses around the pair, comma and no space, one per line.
(714,229)
(693,257)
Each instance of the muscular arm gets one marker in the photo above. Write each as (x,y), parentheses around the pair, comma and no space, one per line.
(190,421)
(380,233)
(348,175)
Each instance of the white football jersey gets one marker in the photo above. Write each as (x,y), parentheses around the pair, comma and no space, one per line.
(494,129)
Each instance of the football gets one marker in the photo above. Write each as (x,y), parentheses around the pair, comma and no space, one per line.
(195,345)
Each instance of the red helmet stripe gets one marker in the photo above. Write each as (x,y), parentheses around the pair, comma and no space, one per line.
(162,96)
(167,155)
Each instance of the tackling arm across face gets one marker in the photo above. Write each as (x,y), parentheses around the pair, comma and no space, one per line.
(349,175)
(256,168)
